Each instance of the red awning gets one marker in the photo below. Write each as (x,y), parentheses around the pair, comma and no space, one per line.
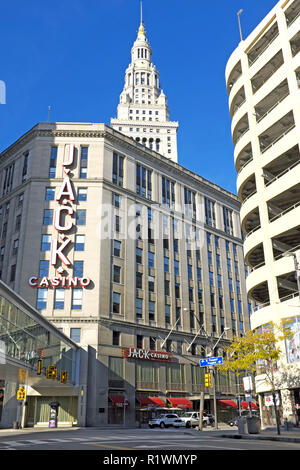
(150,401)
(228,404)
(118,400)
(157,401)
(245,405)
(180,402)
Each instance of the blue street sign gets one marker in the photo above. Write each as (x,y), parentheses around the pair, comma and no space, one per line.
(211,361)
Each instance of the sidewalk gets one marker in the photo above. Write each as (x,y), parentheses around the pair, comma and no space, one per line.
(270,434)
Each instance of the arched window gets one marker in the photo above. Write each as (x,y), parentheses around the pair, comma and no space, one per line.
(137,139)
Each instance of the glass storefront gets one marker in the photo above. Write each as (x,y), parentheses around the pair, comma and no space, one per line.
(23,338)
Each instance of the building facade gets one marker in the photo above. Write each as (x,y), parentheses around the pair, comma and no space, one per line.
(262,77)
(134,257)
(119,246)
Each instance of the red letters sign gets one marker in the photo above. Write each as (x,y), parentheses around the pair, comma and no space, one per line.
(137,353)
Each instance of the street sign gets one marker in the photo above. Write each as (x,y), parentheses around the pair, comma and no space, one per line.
(211,361)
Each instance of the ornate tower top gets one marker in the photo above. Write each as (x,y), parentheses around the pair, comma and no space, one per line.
(143,113)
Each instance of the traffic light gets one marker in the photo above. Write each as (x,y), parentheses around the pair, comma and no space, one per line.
(51,373)
(207,380)
(39,367)
(63,377)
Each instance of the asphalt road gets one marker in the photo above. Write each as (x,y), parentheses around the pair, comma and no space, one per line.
(131,440)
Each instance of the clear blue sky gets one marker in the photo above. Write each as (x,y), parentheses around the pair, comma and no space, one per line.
(72,55)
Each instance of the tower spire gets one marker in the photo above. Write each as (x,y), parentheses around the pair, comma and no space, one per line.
(141,31)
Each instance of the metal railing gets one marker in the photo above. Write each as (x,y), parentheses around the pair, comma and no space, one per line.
(278,138)
(283,173)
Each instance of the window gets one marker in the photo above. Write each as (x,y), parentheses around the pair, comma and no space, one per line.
(82,194)
(53,159)
(76,299)
(139,307)
(190,271)
(210,216)
(189,202)
(151,281)
(48,217)
(41,299)
(75,334)
(139,341)
(18,223)
(167,287)
(176,267)
(151,310)
(83,162)
(166,264)
(139,280)
(59,299)
(13,273)
(15,247)
(227,218)
(117,176)
(116,198)
(143,181)
(168,192)
(81,217)
(8,180)
(78,269)
(25,166)
(50,193)
(117,224)
(167,314)
(20,199)
(2,251)
(44,268)
(116,302)
(117,248)
(117,274)
(152,343)
(150,259)
(79,242)
(139,255)
(116,338)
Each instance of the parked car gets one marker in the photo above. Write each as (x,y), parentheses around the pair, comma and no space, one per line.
(191,419)
(166,420)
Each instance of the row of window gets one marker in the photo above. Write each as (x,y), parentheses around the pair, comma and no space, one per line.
(59,299)
(144,185)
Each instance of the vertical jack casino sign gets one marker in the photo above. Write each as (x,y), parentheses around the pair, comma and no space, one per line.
(63,224)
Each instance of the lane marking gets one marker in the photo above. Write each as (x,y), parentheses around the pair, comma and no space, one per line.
(110,447)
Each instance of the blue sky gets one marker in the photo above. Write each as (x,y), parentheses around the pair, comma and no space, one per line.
(72,55)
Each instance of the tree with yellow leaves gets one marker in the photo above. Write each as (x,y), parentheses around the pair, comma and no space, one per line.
(259,351)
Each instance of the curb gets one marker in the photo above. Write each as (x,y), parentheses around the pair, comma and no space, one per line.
(262,438)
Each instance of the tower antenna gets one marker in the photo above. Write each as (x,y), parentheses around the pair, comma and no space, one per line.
(141,12)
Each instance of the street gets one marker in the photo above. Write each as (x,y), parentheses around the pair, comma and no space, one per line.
(131,439)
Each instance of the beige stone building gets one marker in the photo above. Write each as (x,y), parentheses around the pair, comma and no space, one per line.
(262,77)
(121,247)
(134,257)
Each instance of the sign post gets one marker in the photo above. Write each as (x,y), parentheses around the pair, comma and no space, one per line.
(210,362)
